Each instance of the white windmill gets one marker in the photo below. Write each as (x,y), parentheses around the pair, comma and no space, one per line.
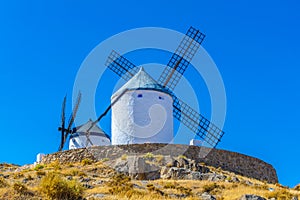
(144,114)
(142,104)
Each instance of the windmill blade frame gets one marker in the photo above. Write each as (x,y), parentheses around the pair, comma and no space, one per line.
(74,112)
(197,123)
(66,131)
(121,66)
(62,128)
(181,58)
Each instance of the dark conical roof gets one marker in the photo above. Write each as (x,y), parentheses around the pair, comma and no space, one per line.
(141,80)
(95,129)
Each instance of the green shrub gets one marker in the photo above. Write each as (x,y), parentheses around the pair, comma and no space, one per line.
(105,159)
(56,188)
(169,164)
(124,157)
(182,157)
(38,167)
(86,161)
(149,155)
(55,165)
(75,172)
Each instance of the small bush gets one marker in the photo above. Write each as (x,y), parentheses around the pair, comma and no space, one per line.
(124,157)
(181,157)
(184,190)
(38,167)
(55,165)
(209,187)
(170,185)
(105,159)
(56,188)
(18,175)
(3,183)
(280,195)
(169,164)
(22,190)
(40,173)
(149,155)
(181,189)
(152,188)
(70,165)
(121,184)
(86,161)
(29,177)
(75,172)
(297,187)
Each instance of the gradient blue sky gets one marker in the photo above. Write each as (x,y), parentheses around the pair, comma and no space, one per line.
(255,45)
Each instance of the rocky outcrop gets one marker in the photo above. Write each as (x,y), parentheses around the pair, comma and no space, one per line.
(226,160)
(137,167)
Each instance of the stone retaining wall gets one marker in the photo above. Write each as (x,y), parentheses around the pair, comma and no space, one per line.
(229,161)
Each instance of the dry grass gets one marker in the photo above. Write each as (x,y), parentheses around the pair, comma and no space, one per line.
(116,186)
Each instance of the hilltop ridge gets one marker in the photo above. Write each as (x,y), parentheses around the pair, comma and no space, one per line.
(182,178)
(229,161)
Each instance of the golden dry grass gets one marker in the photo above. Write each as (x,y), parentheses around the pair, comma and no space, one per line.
(145,190)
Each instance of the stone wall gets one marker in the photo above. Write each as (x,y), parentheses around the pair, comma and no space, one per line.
(229,161)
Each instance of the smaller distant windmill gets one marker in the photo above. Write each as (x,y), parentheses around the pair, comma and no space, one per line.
(82,136)
(66,131)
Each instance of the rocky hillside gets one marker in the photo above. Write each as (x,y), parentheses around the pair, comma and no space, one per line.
(160,177)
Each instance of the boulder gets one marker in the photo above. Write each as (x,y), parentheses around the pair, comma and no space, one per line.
(212,177)
(137,168)
(251,197)
(207,196)
(175,173)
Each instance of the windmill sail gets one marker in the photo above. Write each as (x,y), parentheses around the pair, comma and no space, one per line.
(121,66)
(181,58)
(66,131)
(198,124)
(62,127)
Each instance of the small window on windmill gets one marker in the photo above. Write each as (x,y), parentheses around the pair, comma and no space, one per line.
(161,98)
(140,95)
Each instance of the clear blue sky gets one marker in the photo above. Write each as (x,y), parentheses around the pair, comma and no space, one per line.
(255,45)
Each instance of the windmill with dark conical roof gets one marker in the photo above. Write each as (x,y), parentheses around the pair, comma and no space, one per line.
(145,109)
